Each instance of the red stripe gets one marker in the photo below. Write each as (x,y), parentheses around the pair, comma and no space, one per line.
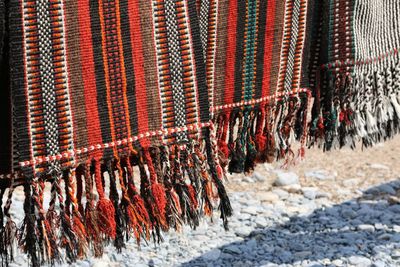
(231,52)
(138,63)
(89,78)
(123,77)
(268,48)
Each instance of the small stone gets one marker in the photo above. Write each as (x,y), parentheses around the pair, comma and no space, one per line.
(349,213)
(302,254)
(281,193)
(366,227)
(258,177)
(320,175)
(393,200)
(292,188)
(379,226)
(243,231)
(252,210)
(101,263)
(350,182)
(286,178)
(310,192)
(395,209)
(378,166)
(248,180)
(382,189)
(268,197)
(359,261)
(379,263)
(261,222)
(212,255)
(395,254)
(384,237)
(337,262)
(232,249)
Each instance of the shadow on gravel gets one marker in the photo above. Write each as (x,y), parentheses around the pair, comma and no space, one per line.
(358,227)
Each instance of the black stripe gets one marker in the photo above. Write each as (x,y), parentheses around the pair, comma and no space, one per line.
(240,27)
(17,84)
(5,97)
(100,76)
(129,67)
(200,63)
(262,11)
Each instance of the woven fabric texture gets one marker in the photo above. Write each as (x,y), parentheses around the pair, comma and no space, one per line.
(131,111)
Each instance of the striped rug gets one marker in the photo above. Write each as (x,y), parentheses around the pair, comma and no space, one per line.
(131,112)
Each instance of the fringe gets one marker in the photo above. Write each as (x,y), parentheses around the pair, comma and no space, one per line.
(361,104)
(179,184)
(262,133)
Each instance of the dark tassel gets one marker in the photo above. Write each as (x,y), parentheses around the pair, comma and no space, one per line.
(27,238)
(68,237)
(249,140)
(225,205)
(238,157)
(119,217)
(173,208)
(189,213)
(9,230)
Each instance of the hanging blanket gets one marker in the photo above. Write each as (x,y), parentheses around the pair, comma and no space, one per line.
(131,111)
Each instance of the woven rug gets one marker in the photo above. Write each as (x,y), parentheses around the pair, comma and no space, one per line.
(356,75)
(130,112)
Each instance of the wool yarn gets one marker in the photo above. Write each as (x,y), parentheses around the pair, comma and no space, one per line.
(130,112)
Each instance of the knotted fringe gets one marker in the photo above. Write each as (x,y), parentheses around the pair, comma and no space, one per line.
(8,228)
(262,133)
(358,104)
(101,201)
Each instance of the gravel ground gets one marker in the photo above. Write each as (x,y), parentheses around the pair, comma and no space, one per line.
(335,209)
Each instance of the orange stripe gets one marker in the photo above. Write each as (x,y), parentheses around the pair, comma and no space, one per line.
(106,72)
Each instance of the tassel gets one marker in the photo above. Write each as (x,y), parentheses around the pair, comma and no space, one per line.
(77,225)
(9,231)
(91,219)
(47,240)
(157,192)
(173,208)
(105,208)
(132,217)
(238,157)
(261,139)
(137,201)
(27,238)
(225,205)
(188,214)
(119,217)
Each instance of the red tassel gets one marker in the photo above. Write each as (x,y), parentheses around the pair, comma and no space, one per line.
(159,197)
(261,142)
(79,230)
(192,196)
(105,208)
(157,189)
(106,217)
(223,148)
